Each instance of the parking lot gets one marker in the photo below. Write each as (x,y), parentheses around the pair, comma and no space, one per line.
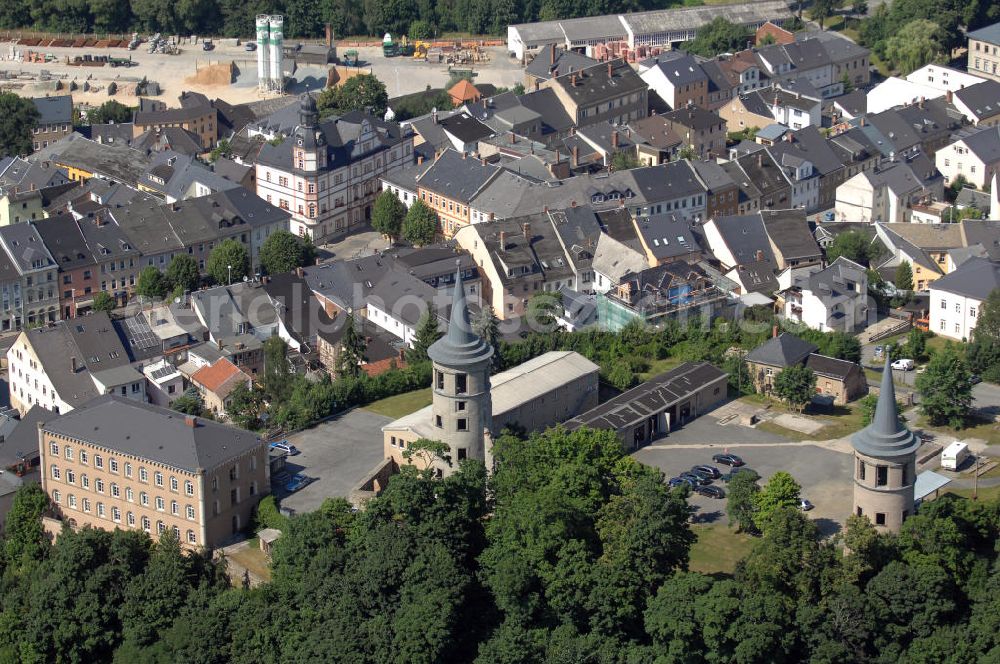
(824,474)
(338,453)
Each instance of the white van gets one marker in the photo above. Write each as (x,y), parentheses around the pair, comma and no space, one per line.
(954,455)
(903,365)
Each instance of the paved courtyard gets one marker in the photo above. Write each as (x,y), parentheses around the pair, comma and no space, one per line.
(338,453)
(823,471)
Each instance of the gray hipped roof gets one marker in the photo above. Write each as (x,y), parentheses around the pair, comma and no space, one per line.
(886,436)
(154,433)
(461,346)
(783,350)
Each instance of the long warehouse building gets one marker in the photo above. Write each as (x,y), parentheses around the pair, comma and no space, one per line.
(653,28)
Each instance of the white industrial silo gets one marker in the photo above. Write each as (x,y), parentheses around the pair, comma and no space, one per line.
(277,52)
(263,52)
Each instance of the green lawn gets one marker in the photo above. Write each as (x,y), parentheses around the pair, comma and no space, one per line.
(989,493)
(401,404)
(988,431)
(839,421)
(657,367)
(718,549)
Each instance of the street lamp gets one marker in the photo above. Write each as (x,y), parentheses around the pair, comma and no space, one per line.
(230,268)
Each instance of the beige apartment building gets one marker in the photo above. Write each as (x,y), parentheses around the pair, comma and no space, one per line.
(984,52)
(117,463)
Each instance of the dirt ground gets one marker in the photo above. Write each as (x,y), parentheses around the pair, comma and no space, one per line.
(177,73)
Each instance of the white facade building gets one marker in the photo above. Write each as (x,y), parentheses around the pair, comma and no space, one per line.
(327,174)
(957,298)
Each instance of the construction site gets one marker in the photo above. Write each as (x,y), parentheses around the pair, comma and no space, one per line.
(124,67)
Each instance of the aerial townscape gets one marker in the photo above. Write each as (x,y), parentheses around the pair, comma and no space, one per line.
(500,332)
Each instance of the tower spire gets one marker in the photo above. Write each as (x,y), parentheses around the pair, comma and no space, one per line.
(461,345)
(886,436)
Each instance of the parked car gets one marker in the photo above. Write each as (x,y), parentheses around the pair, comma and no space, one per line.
(727,459)
(703,475)
(974,379)
(297,482)
(805,505)
(711,470)
(285,446)
(710,491)
(250,46)
(903,365)
(207,45)
(677,481)
(878,351)
(828,216)
(696,479)
(728,477)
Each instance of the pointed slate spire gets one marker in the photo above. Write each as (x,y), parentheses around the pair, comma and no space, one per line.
(461,345)
(886,436)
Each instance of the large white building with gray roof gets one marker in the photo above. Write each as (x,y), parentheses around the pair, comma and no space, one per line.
(652,28)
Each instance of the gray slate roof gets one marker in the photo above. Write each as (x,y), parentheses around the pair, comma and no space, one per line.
(457,177)
(54,110)
(991,34)
(886,436)
(783,350)
(976,278)
(154,433)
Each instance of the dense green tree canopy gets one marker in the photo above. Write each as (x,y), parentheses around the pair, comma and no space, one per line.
(420,225)
(363,92)
(719,36)
(796,385)
(110,111)
(283,252)
(18,116)
(388,214)
(152,284)
(183,273)
(228,263)
(946,388)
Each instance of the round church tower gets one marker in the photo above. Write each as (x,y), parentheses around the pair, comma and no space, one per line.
(885,463)
(461,409)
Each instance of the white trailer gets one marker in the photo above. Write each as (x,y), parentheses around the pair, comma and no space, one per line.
(954,455)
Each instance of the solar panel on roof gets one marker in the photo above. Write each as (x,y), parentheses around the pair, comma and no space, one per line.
(140,334)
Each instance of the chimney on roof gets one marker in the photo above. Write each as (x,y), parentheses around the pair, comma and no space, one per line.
(526,229)
(614,139)
(300,273)
(774,332)
(920,104)
(552,54)
(760,255)
(190,421)
(482,160)
(464,154)
(503,241)
(572,204)
(575,161)
(760,160)
(609,70)
(434,115)
(219,343)
(572,80)
(789,137)
(72,364)
(420,159)
(862,122)
(948,95)
(513,138)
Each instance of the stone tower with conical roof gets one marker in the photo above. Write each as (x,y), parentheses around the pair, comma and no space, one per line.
(885,463)
(461,410)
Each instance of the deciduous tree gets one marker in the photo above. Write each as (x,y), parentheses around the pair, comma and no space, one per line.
(18,117)
(743,488)
(283,252)
(388,215)
(796,385)
(183,273)
(352,350)
(420,225)
(228,262)
(104,302)
(946,388)
(152,284)
(780,491)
